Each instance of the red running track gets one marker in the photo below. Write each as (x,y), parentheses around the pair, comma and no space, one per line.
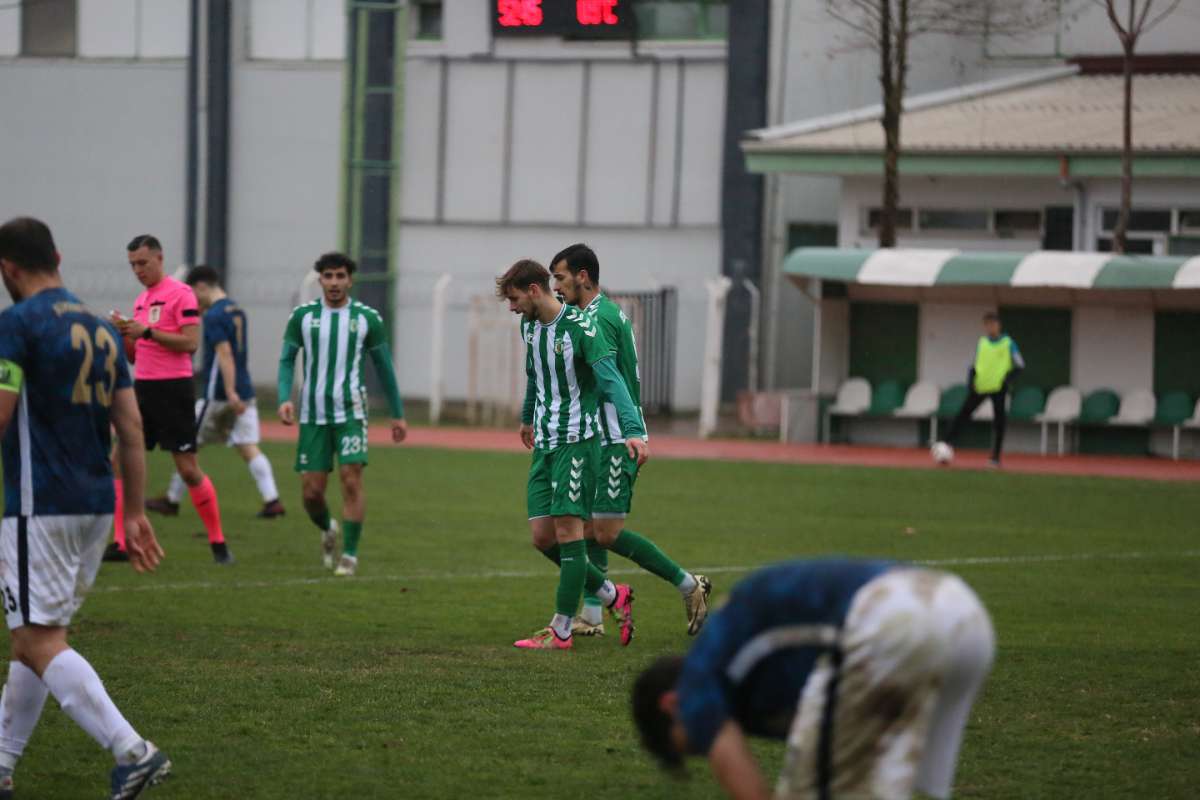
(490,439)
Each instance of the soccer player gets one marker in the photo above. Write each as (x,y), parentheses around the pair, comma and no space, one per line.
(576,273)
(335,332)
(867,668)
(227,412)
(163,334)
(63,381)
(569,366)
(997,364)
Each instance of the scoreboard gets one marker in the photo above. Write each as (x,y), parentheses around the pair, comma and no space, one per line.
(569,19)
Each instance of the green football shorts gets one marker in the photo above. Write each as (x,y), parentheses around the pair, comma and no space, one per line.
(319,443)
(562,481)
(614,489)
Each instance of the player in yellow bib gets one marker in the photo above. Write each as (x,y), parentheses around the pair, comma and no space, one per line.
(997,363)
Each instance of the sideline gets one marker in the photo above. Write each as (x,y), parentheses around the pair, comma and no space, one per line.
(517,574)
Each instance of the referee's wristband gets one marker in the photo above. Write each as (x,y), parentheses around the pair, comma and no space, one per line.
(148,334)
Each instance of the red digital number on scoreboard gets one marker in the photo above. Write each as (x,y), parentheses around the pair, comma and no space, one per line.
(519,13)
(596,12)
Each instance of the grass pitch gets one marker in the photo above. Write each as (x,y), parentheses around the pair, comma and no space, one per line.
(272,679)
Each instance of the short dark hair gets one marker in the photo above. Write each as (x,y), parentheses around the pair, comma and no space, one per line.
(991,316)
(144,240)
(521,276)
(334,260)
(28,243)
(203,273)
(652,722)
(579,257)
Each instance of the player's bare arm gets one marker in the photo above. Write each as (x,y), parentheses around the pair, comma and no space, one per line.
(144,550)
(733,765)
(228,370)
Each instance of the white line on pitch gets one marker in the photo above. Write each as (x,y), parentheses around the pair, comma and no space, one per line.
(493,574)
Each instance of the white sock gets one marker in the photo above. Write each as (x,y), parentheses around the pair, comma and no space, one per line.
(260,468)
(77,688)
(20,708)
(176,488)
(561,625)
(607,593)
(687,585)
(592,615)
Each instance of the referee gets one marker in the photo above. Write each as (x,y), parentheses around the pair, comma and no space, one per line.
(161,338)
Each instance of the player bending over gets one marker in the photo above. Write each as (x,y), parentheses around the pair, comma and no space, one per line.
(867,668)
(576,273)
(227,412)
(63,381)
(569,365)
(334,332)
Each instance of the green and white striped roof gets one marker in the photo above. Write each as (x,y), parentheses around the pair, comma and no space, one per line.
(913,267)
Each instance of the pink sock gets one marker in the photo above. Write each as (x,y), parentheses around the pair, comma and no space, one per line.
(204,498)
(119,513)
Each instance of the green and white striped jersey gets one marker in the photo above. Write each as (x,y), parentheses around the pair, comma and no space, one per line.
(558,360)
(333,341)
(618,329)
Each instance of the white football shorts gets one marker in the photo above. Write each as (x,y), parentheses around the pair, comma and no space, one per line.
(48,564)
(885,713)
(216,422)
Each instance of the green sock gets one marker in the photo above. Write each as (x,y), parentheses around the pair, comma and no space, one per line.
(321,518)
(571,576)
(598,558)
(551,553)
(645,554)
(351,531)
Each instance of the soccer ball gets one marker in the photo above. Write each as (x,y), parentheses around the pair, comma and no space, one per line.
(942,453)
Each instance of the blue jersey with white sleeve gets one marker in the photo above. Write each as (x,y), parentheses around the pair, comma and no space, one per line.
(56,448)
(754,655)
(225,322)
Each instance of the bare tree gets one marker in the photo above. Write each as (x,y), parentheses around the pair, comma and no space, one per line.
(1137,22)
(889,26)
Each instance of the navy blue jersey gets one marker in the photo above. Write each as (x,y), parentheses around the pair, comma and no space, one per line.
(225,322)
(56,449)
(754,655)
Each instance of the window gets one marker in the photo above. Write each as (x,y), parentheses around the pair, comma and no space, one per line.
(1133,246)
(425,24)
(1189,220)
(953,219)
(1012,221)
(48,28)
(1139,220)
(904,219)
(682,19)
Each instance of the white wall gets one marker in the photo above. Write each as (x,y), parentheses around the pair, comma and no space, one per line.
(947,334)
(833,363)
(1112,348)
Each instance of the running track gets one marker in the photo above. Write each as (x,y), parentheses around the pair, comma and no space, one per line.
(506,441)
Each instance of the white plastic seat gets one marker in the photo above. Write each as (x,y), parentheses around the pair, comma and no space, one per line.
(1194,420)
(1062,408)
(853,399)
(921,401)
(1137,409)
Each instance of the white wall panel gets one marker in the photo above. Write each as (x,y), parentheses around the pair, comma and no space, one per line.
(618,152)
(164,29)
(664,148)
(421,109)
(475,142)
(10,32)
(328,29)
(834,359)
(704,126)
(1113,348)
(278,29)
(107,28)
(546,142)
